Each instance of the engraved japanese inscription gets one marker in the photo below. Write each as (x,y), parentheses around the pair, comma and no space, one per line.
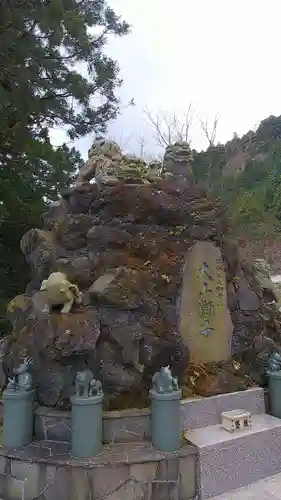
(205,323)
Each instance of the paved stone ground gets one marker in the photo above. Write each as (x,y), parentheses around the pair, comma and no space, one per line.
(265,489)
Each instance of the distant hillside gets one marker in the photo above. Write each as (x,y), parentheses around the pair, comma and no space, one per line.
(245,173)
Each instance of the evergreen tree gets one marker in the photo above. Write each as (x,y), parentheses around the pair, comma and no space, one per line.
(53,73)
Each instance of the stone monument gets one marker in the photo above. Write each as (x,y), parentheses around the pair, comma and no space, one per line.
(103,156)
(205,322)
(130,247)
(177,161)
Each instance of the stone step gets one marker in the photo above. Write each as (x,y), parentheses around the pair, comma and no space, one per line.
(229,461)
(201,412)
(134,424)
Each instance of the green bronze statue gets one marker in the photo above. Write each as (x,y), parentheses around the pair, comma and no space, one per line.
(86,385)
(274,363)
(164,382)
(22,380)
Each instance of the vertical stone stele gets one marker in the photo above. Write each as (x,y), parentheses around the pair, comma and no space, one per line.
(205,322)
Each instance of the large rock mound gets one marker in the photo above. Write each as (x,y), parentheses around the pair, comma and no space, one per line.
(125,246)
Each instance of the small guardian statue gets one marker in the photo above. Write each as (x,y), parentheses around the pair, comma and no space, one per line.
(164,382)
(86,416)
(165,411)
(60,292)
(261,272)
(86,385)
(274,363)
(22,380)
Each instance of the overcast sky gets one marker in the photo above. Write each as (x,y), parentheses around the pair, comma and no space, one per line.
(223,56)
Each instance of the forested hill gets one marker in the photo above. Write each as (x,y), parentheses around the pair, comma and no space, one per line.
(245,174)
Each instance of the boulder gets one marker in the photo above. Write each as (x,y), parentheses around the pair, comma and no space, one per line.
(79,270)
(222,379)
(247,299)
(125,288)
(41,250)
(101,237)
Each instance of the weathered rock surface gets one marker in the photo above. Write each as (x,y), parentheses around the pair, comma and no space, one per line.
(59,345)
(126,255)
(125,247)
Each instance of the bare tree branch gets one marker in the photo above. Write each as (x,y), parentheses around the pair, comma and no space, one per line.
(210,130)
(142,145)
(170,128)
(122,140)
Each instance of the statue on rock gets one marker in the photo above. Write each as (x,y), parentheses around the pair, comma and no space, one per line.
(177,162)
(103,157)
(261,271)
(60,292)
(108,165)
(154,170)
(132,170)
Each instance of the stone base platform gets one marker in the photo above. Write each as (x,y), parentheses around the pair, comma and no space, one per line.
(134,424)
(45,470)
(231,460)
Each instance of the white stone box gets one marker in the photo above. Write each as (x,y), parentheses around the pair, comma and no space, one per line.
(235,420)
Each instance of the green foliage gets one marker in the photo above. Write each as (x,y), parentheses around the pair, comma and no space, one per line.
(252,194)
(53,74)
(274,181)
(208,165)
(247,208)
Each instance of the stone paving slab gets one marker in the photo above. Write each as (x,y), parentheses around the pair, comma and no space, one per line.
(265,489)
(233,460)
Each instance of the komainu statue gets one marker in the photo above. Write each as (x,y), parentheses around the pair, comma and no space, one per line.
(22,380)
(103,156)
(154,170)
(132,170)
(164,382)
(261,272)
(108,165)
(274,362)
(177,161)
(60,292)
(86,385)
